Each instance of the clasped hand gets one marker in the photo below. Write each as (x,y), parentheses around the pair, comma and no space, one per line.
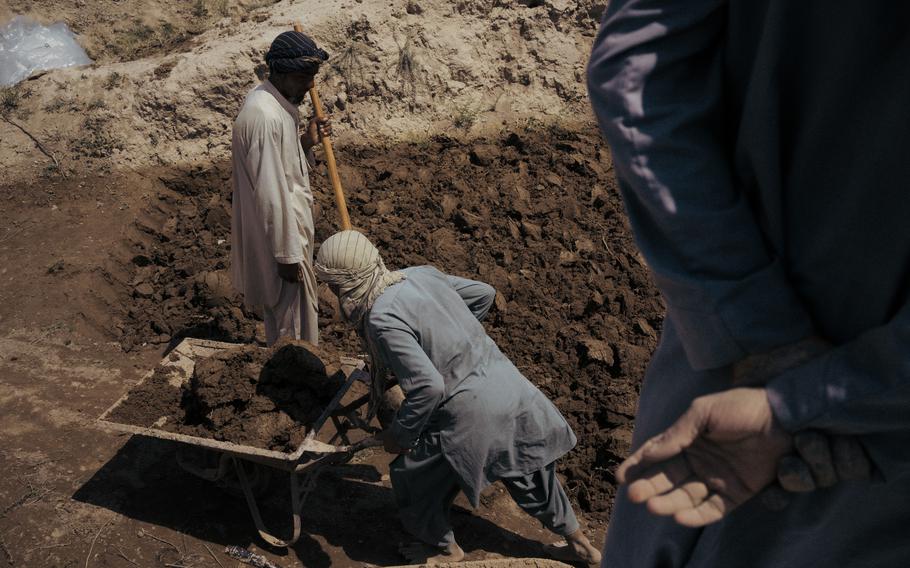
(726,449)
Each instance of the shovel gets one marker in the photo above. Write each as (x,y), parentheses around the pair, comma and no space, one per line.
(340,202)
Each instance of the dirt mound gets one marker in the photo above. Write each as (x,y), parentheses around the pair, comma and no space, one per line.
(397,70)
(179,284)
(266,398)
(534,213)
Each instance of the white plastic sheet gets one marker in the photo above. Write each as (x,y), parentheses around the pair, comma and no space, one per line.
(27,46)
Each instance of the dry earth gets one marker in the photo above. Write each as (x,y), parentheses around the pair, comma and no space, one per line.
(465,141)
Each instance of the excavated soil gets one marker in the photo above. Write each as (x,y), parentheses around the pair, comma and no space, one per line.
(533,212)
(266,398)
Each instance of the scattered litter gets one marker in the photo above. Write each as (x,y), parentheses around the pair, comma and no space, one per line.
(247,557)
(27,47)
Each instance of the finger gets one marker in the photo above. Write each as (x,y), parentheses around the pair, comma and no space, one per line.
(774,498)
(659,479)
(850,459)
(670,443)
(813,448)
(688,495)
(709,511)
(794,475)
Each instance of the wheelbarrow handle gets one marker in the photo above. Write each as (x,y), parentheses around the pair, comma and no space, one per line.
(371,442)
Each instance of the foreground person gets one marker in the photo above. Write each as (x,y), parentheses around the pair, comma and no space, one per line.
(469,417)
(769,197)
(272,220)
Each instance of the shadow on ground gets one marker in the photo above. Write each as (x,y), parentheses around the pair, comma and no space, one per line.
(350,514)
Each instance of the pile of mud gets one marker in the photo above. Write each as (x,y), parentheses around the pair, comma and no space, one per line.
(179,285)
(534,212)
(266,398)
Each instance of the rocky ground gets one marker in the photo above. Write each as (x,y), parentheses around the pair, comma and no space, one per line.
(464,141)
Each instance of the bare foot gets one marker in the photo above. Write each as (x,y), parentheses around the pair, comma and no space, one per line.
(420,553)
(577,549)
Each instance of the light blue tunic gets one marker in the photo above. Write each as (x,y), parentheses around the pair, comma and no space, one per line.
(492,422)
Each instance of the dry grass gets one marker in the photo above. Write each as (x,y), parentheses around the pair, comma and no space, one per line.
(408,67)
(96,140)
(113,81)
(465,116)
(350,66)
(11,99)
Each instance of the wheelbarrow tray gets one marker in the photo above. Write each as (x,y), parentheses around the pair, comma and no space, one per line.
(183,360)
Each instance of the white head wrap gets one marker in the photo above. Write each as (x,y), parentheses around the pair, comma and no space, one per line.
(351,266)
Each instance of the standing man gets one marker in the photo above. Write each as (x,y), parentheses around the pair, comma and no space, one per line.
(761,149)
(272,228)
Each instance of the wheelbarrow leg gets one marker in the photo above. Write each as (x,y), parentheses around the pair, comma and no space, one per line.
(299,492)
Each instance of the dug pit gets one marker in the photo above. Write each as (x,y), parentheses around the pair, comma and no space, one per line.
(534,212)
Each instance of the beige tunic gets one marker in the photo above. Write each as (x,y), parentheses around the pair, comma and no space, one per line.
(272,204)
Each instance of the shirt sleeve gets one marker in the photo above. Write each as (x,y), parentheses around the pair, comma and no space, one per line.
(655,82)
(478,296)
(272,192)
(421,382)
(861,387)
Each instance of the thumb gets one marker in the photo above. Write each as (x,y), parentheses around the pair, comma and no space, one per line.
(667,444)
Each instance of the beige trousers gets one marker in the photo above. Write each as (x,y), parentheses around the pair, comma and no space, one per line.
(295,314)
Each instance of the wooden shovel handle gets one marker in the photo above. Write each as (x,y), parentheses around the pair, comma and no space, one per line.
(340,202)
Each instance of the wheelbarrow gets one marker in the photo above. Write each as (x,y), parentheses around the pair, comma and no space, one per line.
(250,468)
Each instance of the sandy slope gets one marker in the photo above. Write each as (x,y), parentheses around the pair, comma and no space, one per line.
(400,70)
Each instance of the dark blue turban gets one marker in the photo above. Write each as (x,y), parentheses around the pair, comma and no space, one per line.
(294,51)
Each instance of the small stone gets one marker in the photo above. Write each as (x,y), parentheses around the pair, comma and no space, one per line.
(531,230)
(620,442)
(567,257)
(553,180)
(595,350)
(483,154)
(598,196)
(56,267)
(514,230)
(449,205)
(584,245)
(455,86)
(644,327)
(502,306)
(144,290)
(384,207)
(162,338)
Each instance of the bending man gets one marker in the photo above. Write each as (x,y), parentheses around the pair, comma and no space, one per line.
(469,417)
(272,226)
